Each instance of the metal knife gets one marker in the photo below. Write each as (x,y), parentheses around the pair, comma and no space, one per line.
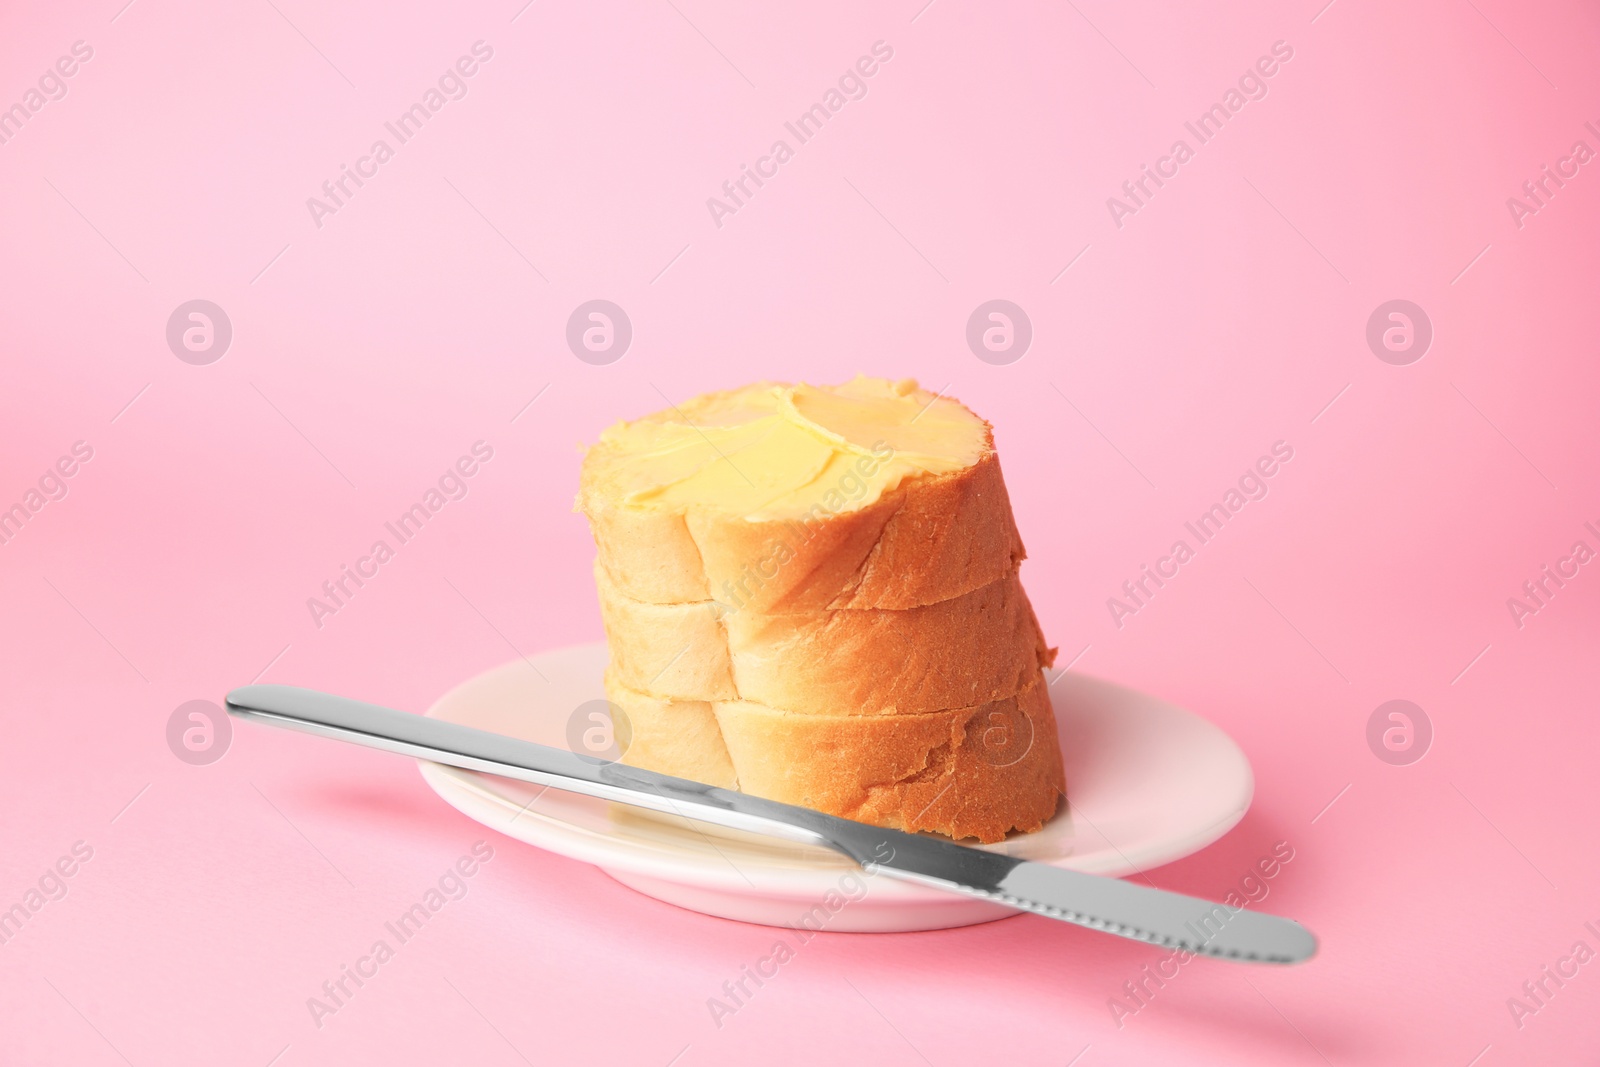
(1110,905)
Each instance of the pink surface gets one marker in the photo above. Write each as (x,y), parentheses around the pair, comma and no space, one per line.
(1227,313)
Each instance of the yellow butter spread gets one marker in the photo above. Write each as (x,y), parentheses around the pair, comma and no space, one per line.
(773,451)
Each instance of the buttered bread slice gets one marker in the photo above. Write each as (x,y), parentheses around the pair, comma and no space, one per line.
(980,646)
(870,494)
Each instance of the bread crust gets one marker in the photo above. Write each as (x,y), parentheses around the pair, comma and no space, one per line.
(981,646)
(979,772)
(930,539)
(678,737)
(672,651)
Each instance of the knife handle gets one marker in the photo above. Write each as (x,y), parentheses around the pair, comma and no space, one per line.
(454,745)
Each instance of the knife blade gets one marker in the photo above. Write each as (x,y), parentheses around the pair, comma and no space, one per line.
(1110,905)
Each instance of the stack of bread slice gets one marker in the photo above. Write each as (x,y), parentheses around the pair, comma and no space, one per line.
(811,594)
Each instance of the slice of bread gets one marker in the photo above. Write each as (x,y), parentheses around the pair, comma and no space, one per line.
(980,646)
(980,771)
(674,651)
(928,540)
(677,737)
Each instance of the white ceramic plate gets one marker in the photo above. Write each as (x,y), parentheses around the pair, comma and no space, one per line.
(1147,783)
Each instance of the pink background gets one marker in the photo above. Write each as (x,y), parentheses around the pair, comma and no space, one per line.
(425,315)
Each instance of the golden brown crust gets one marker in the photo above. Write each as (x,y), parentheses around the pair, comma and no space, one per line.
(931,539)
(981,646)
(979,771)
